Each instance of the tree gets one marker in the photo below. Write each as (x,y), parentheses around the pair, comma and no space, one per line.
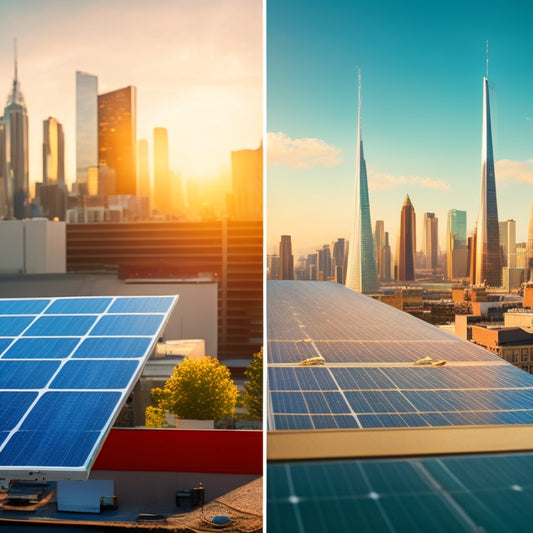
(200,389)
(253,390)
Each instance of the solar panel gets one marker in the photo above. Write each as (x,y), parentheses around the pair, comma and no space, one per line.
(369,379)
(67,365)
(460,494)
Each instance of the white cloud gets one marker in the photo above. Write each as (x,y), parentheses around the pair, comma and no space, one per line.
(300,153)
(385,182)
(514,171)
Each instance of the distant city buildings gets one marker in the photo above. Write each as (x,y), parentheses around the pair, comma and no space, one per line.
(286,259)
(15,154)
(117,137)
(431,241)
(407,242)
(86,127)
(162,197)
(361,274)
(507,232)
(456,245)
(529,248)
(247,184)
(486,265)
(143,171)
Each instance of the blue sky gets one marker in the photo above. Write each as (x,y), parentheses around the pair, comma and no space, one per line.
(197,67)
(422,66)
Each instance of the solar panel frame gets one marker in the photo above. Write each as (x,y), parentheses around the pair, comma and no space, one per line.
(53,365)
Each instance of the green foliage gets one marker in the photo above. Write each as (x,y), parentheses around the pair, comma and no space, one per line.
(201,389)
(253,390)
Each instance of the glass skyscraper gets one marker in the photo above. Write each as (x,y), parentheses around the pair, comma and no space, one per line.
(487,264)
(361,274)
(407,245)
(117,137)
(86,126)
(162,195)
(53,152)
(456,249)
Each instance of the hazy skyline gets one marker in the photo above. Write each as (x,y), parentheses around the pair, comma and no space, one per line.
(197,67)
(422,69)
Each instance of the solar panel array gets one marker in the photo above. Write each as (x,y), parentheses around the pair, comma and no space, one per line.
(489,493)
(369,379)
(67,365)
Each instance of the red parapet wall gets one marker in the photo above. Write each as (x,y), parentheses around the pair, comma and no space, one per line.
(180,450)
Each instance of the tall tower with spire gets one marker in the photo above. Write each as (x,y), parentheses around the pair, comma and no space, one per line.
(16,172)
(487,264)
(361,273)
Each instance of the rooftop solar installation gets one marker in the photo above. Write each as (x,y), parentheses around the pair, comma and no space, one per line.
(67,366)
(368,378)
(476,493)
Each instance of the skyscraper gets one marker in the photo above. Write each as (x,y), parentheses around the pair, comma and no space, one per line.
(529,248)
(507,231)
(361,273)
(247,183)
(144,169)
(286,259)
(16,155)
(86,127)
(407,244)
(117,137)
(431,243)
(456,248)
(162,196)
(53,152)
(487,260)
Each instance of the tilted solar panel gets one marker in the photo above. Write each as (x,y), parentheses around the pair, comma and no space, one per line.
(67,366)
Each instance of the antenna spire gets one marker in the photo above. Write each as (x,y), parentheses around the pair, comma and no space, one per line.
(487,60)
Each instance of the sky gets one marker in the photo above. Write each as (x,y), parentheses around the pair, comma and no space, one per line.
(196,64)
(422,65)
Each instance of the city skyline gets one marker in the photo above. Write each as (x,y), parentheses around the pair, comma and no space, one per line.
(197,68)
(423,68)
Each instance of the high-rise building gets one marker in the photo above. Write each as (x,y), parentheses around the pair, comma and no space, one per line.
(144,189)
(53,152)
(507,231)
(16,155)
(385,260)
(86,127)
(162,196)
(431,242)
(247,183)
(529,248)
(379,242)
(286,259)
(487,260)
(456,246)
(117,137)
(361,273)
(339,255)
(407,244)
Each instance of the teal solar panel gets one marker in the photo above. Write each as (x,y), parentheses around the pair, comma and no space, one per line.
(63,381)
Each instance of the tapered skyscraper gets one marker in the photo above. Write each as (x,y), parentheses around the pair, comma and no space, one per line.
(407,244)
(361,273)
(16,155)
(487,264)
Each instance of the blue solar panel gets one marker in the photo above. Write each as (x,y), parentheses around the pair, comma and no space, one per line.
(76,306)
(36,348)
(53,326)
(22,307)
(61,389)
(127,325)
(12,326)
(96,374)
(26,374)
(154,304)
(110,347)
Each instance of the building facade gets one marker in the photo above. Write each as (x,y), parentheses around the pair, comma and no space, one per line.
(162,196)
(286,259)
(407,244)
(53,152)
(86,127)
(361,274)
(431,241)
(247,183)
(456,245)
(117,137)
(143,170)
(487,264)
